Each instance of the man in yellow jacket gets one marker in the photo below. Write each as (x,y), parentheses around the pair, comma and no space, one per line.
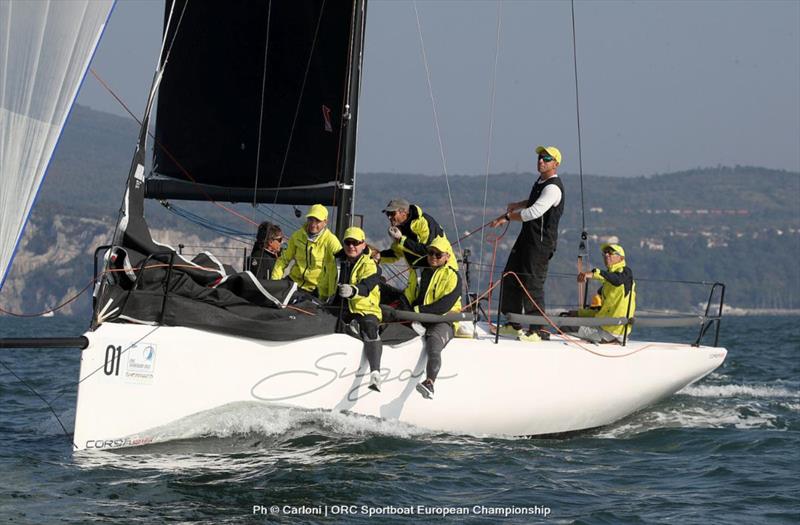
(435,290)
(411,231)
(312,248)
(358,286)
(618,293)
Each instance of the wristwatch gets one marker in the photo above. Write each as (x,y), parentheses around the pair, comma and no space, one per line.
(508,217)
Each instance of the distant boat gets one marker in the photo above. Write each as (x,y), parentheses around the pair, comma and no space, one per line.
(259,103)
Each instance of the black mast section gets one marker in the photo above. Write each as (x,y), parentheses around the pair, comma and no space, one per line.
(347,168)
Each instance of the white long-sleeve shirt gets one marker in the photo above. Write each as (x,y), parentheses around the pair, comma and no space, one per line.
(551,196)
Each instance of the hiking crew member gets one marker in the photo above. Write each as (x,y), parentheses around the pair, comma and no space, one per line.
(266,250)
(358,286)
(535,244)
(618,293)
(436,290)
(312,248)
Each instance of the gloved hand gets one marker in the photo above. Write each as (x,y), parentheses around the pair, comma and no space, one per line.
(395,233)
(347,291)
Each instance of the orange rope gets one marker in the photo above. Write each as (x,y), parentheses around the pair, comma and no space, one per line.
(568,338)
(171,157)
(62,305)
(117,270)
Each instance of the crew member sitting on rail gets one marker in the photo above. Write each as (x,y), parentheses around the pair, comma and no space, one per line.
(618,294)
(435,289)
(266,249)
(359,279)
(411,232)
(312,248)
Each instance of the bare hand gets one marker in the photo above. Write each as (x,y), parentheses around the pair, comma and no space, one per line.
(498,222)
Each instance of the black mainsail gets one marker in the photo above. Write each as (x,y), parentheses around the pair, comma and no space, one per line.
(256,103)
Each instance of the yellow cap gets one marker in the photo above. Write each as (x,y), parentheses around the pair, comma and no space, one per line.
(550,150)
(442,244)
(355,233)
(318,211)
(616,247)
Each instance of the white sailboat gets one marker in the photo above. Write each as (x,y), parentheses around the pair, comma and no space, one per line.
(509,388)
(173,339)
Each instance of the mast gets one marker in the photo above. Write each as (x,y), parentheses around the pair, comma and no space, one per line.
(347,167)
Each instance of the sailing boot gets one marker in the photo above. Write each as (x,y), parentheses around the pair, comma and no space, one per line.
(426,389)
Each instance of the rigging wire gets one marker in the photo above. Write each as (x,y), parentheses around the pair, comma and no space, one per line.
(436,125)
(274,216)
(233,234)
(147,108)
(491,134)
(261,111)
(29,387)
(299,101)
(582,251)
(578,115)
(461,270)
(167,152)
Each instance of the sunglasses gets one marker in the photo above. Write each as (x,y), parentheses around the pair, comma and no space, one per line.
(609,252)
(352,242)
(279,239)
(546,158)
(435,254)
(390,213)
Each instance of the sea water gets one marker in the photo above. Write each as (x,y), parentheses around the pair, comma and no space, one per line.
(726,450)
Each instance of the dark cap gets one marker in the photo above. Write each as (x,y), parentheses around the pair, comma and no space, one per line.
(397,204)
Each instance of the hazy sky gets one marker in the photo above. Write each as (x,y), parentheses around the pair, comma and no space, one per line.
(664,85)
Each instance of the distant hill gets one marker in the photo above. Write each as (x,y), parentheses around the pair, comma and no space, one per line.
(738,225)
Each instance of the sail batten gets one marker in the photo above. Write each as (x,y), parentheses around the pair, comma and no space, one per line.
(45,51)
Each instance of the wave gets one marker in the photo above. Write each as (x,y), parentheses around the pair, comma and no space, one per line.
(250,417)
(697,417)
(739,390)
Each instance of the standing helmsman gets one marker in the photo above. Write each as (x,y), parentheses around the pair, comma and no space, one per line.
(536,243)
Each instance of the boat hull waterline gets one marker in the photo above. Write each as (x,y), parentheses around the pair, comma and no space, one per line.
(137,378)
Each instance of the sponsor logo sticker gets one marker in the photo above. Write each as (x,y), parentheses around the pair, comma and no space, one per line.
(141,363)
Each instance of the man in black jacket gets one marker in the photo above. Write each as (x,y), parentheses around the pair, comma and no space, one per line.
(536,243)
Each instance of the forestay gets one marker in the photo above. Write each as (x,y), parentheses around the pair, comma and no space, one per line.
(45,49)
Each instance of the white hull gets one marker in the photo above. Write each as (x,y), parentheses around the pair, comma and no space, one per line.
(127,391)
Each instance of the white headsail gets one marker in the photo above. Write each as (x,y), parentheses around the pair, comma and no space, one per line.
(45,50)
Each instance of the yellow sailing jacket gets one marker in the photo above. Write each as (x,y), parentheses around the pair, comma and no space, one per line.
(435,290)
(618,287)
(418,232)
(315,265)
(365,276)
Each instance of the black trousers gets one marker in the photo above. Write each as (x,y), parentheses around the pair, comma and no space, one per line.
(368,332)
(530,265)
(437,335)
